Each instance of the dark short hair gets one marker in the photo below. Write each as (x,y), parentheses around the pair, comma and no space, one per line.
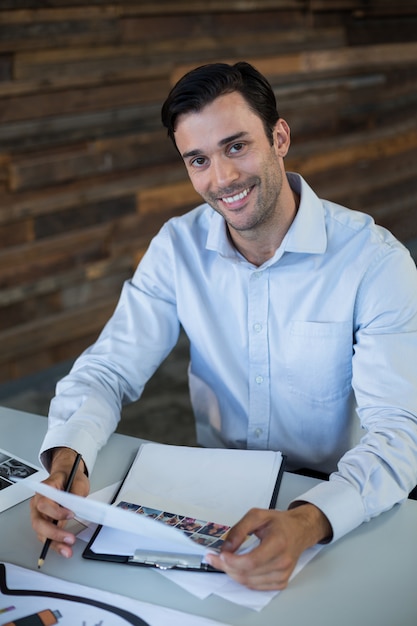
(202,85)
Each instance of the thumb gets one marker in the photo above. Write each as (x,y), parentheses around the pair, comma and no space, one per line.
(250,523)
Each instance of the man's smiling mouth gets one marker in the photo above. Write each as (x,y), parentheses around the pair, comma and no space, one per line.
(238,197)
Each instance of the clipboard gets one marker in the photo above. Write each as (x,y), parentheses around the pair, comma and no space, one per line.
(171,559)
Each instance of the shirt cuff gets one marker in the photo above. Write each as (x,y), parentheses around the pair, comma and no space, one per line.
(65,437)
(340,503)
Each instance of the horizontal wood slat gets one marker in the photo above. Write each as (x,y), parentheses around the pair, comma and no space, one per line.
(144,7)
(104,156)
(45,333)
(82,100)
(81,193)
(341,60)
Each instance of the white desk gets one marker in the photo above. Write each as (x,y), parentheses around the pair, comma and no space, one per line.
(368,578)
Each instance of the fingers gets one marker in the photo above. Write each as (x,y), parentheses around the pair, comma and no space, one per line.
(270,564)
(48,520)
(266,567)
(246,571)
(252,523)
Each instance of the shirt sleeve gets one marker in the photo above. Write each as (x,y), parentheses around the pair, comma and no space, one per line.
(381,469)
(140,334)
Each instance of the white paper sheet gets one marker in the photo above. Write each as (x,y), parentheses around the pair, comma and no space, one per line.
(113,517)
(211,484)
(203,585)
(102,495)
(77,604)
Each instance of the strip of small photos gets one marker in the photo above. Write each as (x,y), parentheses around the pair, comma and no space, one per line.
(208,534)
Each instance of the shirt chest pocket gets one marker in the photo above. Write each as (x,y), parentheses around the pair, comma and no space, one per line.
(319,360)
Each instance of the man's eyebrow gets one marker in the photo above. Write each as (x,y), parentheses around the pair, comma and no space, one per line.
(191,153)
(222,142)
(227,140)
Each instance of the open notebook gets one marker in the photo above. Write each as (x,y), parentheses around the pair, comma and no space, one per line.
(193,495)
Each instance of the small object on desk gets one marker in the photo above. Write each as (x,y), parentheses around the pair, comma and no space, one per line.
(67,487)
(43,618)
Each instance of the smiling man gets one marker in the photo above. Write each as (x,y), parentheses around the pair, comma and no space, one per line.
(302,321)
(241,173)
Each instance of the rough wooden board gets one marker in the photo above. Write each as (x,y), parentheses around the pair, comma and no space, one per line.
(167,197)
(341,59)
(17,206)
(36,336)
(44,168)
(67,101)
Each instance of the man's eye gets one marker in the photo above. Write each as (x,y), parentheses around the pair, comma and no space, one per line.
(198,162)
(237,147)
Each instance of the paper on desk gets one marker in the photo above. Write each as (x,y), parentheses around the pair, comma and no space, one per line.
(203,585)
(155,534)
(14,472)
(25,594)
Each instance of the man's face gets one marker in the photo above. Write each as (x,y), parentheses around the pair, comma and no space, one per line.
(231,162)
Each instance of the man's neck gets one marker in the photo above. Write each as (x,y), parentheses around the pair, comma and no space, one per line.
(255,252)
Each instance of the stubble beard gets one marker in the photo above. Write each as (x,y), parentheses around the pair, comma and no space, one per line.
(264,208)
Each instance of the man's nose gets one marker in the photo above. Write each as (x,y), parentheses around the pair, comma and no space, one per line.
(224,172)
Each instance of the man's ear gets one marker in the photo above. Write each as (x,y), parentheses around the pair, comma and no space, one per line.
(282,137)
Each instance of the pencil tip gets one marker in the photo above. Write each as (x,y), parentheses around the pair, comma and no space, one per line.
(40,563)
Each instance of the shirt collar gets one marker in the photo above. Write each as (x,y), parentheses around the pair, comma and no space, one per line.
(218,238)
(307,233)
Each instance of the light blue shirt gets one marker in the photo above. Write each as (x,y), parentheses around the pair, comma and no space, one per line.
(298,355)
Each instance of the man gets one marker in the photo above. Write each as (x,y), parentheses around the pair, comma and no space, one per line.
(298,312)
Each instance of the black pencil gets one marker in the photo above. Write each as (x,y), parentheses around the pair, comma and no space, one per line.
(67,487)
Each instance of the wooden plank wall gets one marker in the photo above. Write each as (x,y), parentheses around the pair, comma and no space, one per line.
(87,175)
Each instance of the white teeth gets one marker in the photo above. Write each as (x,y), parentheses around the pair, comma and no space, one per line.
(238,196)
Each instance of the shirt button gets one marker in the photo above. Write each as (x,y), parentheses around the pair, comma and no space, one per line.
(256,275)
(257,327)
(258,432)
(259,379)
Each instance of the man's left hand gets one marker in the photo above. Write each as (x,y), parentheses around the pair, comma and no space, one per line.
(283,535)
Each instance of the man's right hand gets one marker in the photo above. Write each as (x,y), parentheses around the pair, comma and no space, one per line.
(45,512)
